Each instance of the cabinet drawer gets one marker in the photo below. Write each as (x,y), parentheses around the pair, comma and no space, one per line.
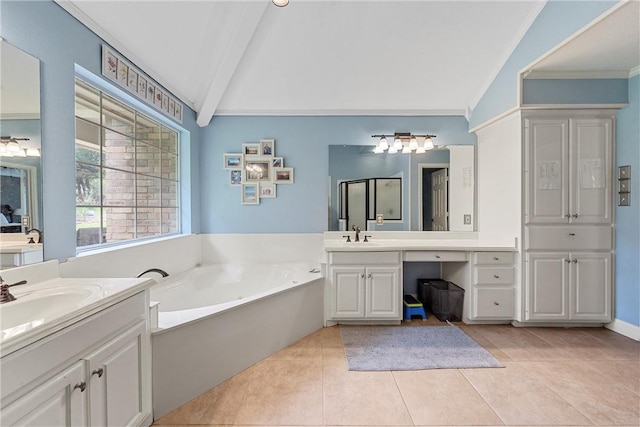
(494,275)
(582,238)
(491,303)
(436,256)
(360,258)
(504,258)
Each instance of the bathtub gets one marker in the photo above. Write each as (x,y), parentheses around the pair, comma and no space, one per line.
(216,320)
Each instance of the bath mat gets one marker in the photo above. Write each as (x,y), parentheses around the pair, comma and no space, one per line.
(407,348)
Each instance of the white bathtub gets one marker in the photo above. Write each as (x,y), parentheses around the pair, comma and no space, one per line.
(217,320)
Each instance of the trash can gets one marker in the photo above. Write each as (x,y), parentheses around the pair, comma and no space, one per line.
(446,300)
(424,292)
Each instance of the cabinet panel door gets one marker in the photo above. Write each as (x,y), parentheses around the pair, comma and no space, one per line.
(116,380)
(591,172)
(547,286)
(383,292)
(347,293)
(592,287)
(548,175)
(54,403)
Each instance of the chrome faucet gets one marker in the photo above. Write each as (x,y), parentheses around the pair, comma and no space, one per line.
(31,238)
(357,230)
(5,295)
(154,270)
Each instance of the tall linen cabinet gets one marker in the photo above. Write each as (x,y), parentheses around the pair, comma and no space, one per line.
(545,178)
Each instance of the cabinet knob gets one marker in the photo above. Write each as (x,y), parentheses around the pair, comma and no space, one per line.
(81,386)
(362,275)
(567,216)
(496,303)
(369,276)
(98,372)
(567,261)
(572,234)
(495,276)
(575,215)
(575,261)
(495,258)
(438,256)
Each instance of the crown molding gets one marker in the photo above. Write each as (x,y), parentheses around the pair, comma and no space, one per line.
(342,112)
(602,74)
(634,71)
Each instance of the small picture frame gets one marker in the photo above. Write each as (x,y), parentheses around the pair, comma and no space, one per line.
(283,175)
(249,150)
(278,162)
(267,147)
(165,102)
(172,106)
(178,112)
(624,186)
(132,84)
(267,190)
(624,172)
(257,169)
(109,64)
(142,87)
(233,161)
(235,177)
(123,72)
(250,194)
(157,100)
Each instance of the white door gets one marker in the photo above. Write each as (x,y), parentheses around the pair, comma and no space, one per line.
(440,209)
(382,292)
(347,293)
(547,160)
(591,299)
(591,150)
(547,286)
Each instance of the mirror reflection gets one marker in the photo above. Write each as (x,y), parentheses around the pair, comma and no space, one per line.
(434,191)
(20,151)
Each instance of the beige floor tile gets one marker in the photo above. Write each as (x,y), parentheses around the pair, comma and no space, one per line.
(624,372)
(443,397)
(284,392)
(363,398)
(616,345)
(600,397)
(472,331)
(519,398)
(581,345)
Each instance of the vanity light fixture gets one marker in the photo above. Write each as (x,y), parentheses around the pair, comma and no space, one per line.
(11,147)
(404,142)
(280,3)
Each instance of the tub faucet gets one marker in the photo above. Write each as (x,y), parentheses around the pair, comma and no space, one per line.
(154,270)
(31,238)
(5,295)
(357,230)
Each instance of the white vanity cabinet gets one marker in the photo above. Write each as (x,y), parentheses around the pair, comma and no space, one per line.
(365,286)
(492,288)
(96,372)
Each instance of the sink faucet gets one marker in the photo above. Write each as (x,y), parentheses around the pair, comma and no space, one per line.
(357,230)
(5,295)
(154,270)
(37,231)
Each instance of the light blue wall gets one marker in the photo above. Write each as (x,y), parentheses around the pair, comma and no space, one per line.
(303,142)
(46,31)
(557,20)
(575,91)
(628,218)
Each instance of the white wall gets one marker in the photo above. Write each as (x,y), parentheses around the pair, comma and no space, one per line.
(461,188)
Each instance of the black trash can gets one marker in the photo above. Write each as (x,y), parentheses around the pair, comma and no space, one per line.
(446,300)
(424,291)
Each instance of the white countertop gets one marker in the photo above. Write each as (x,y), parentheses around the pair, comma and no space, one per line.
(48,306)
(409,241)
(19,247)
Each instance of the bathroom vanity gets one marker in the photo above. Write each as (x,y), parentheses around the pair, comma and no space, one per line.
(76,352)
(364,280)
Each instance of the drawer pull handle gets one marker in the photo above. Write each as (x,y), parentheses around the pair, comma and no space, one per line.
(496,303)
(495,258)
(438,256)
(81,386)
(572,234)
(98,372)
(495,276)
(575,215)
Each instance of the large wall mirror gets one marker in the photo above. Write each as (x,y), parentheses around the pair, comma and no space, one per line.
(20,157)
(434,191)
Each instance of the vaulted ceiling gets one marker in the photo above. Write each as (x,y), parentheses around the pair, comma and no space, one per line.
(315,57)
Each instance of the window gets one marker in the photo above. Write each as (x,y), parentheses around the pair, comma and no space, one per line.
(127,184)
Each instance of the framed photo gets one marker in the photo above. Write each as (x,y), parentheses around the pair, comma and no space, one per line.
(178,112)
(165,102)
(133,81)
(267,190)
(123,71)
(172,106)
(251,150)
(278,162)
(151,92)
(250,194)
(283,176)
(624,172)
(267,147)
(257,169)
(157,100)
(142,87)
(235,177)
(233,161)
(109,64)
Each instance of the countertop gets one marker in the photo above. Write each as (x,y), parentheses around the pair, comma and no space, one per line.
(19,247)
(334,245)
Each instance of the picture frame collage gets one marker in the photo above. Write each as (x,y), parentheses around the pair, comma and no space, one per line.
(134,81)
(257,171)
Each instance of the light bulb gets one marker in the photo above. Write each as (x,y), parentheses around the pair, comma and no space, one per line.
(13,146)
(33,152)
(428,144)
(3,148)
(413,143)
(393,149)
(280,3)
(406,150)
(420,150)
(20,153)
(383,143)
(378,150)
(397,144)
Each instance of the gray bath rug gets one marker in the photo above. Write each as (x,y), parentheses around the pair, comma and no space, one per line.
(408,348)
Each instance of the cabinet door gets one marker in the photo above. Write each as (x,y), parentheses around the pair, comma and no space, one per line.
(116,380)
(57,402)
(591,151)
(547,160)
(547,286)
(383,292)
(591,299)
(347,292)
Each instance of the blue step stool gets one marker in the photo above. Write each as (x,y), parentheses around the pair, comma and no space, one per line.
(413,307)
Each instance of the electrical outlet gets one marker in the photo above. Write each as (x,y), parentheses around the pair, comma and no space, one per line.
(379,219)
(467,219)
(25,221)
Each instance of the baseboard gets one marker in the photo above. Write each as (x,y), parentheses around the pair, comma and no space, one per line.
(624,328)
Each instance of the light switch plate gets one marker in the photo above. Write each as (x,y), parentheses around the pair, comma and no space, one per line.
(624,172)
(624,199)
(467,219)
(624,186)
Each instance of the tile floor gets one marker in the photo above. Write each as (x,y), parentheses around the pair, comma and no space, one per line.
(552,377)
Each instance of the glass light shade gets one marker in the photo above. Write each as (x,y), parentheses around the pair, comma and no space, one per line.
(3,148)
(20,153)
(383,143)
(378,150)
(392,149)
(413,143)
(406,150)
(280,3)
(6,154)
(397,144)
(420,150)
(428,144)
(33,152)
(13,146)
